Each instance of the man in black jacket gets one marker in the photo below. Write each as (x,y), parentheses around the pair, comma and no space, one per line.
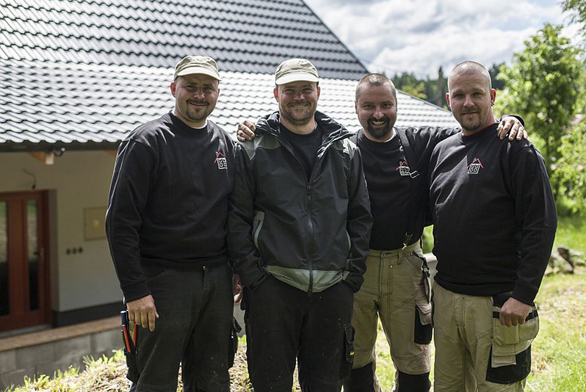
(299,224)
(166,226)
(494,224)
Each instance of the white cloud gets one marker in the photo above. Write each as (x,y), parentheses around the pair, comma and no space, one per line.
(420,35)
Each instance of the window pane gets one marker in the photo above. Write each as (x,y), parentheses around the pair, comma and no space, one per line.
(4,303)
(33,253)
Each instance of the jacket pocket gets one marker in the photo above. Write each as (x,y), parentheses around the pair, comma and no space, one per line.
(348,353)
(257,222)
(510,353)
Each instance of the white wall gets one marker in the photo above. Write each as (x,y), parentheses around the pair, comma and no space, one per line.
(77,180)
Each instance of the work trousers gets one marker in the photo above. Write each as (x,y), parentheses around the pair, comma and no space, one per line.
(464,334)
(194,327)
(284,323)
(396,290)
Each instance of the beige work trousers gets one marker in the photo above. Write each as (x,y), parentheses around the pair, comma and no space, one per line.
(463,334)
(393,289)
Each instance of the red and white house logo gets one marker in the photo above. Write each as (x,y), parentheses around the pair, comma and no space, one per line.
(221,161)
(475,166)
(404,169)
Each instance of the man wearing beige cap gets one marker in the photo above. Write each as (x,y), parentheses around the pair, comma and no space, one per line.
(166,229)
(298,229)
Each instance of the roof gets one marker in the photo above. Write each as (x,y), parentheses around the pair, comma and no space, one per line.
(82,74)
(241,35)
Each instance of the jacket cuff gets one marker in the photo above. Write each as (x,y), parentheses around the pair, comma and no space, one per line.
(354,280)
(250,272)
(135,291)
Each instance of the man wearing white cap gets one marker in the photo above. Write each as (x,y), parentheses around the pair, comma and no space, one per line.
(299,223)
(166,228)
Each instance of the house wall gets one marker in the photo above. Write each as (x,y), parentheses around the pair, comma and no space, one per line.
(76,181)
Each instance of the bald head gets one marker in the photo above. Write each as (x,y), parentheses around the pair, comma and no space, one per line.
(469,68)
(375,80)
(471,97)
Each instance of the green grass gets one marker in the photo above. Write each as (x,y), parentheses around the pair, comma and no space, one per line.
(572,233)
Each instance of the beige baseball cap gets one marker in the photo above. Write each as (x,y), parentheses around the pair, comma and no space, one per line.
(197,65)
(296,70)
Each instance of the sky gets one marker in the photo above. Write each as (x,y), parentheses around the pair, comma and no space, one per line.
(419,36)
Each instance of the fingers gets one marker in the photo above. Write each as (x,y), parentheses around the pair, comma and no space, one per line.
(245,131)
(143,312)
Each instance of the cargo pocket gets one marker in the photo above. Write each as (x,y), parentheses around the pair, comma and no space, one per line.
(236,328)
(348,353)
(423,315)
(510,352)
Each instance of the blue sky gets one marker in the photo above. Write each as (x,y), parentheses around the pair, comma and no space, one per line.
(420,35)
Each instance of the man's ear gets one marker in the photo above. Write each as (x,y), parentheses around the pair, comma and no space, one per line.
(318,91)
(448,99)
(173,88)
(492,96)
(276,94)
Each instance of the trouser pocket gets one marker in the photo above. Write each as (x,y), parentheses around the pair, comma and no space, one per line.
(348,357)
(510,352)
(423,328)
(423,315)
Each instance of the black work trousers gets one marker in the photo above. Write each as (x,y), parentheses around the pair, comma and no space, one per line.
(193,329)
(284,323)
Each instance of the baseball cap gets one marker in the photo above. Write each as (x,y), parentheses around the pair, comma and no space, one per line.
(197,65)
(296,70)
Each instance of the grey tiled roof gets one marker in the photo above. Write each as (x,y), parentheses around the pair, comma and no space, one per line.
(82,74)
(242,35)
(80,106)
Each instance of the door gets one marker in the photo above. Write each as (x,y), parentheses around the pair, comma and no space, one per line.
(24,266)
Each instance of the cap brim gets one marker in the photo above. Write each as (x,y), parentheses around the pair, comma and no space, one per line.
(198,70)
(297,77)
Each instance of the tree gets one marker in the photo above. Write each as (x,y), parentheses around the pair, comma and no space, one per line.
(542,85)
(577,10)
(408,83)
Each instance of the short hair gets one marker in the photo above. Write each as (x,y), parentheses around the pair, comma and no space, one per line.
(374,79)
(470,67)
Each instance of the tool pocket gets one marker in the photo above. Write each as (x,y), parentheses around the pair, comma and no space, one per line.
(348,353)
(423,316)
(510,352)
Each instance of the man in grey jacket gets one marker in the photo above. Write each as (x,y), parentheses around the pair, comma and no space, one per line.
(299,224)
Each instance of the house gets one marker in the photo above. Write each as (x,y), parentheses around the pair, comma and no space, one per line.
(78,75)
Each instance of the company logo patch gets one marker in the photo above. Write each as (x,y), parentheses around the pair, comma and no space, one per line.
(475,166)
(404,169)
(221,161)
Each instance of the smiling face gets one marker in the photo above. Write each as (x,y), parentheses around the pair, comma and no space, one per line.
(376,107)
(297,104)
(195,98)
(470,97)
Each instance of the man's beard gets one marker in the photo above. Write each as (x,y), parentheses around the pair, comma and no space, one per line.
(380,133)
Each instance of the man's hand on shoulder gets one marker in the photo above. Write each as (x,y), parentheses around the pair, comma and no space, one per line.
(143,312)
(513,127)
(514,312)
(245,131)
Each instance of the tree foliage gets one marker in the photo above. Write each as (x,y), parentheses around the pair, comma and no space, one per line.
(577,10)
(542,85)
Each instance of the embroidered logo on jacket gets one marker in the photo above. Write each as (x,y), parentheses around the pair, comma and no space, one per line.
(221,161)
(475,166)
(404,169)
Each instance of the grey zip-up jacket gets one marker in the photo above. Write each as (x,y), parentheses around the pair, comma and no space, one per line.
(310,233)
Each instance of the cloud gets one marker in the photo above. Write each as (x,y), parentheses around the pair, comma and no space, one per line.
(420,35)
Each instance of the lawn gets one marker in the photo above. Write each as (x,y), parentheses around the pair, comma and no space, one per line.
(559,352)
